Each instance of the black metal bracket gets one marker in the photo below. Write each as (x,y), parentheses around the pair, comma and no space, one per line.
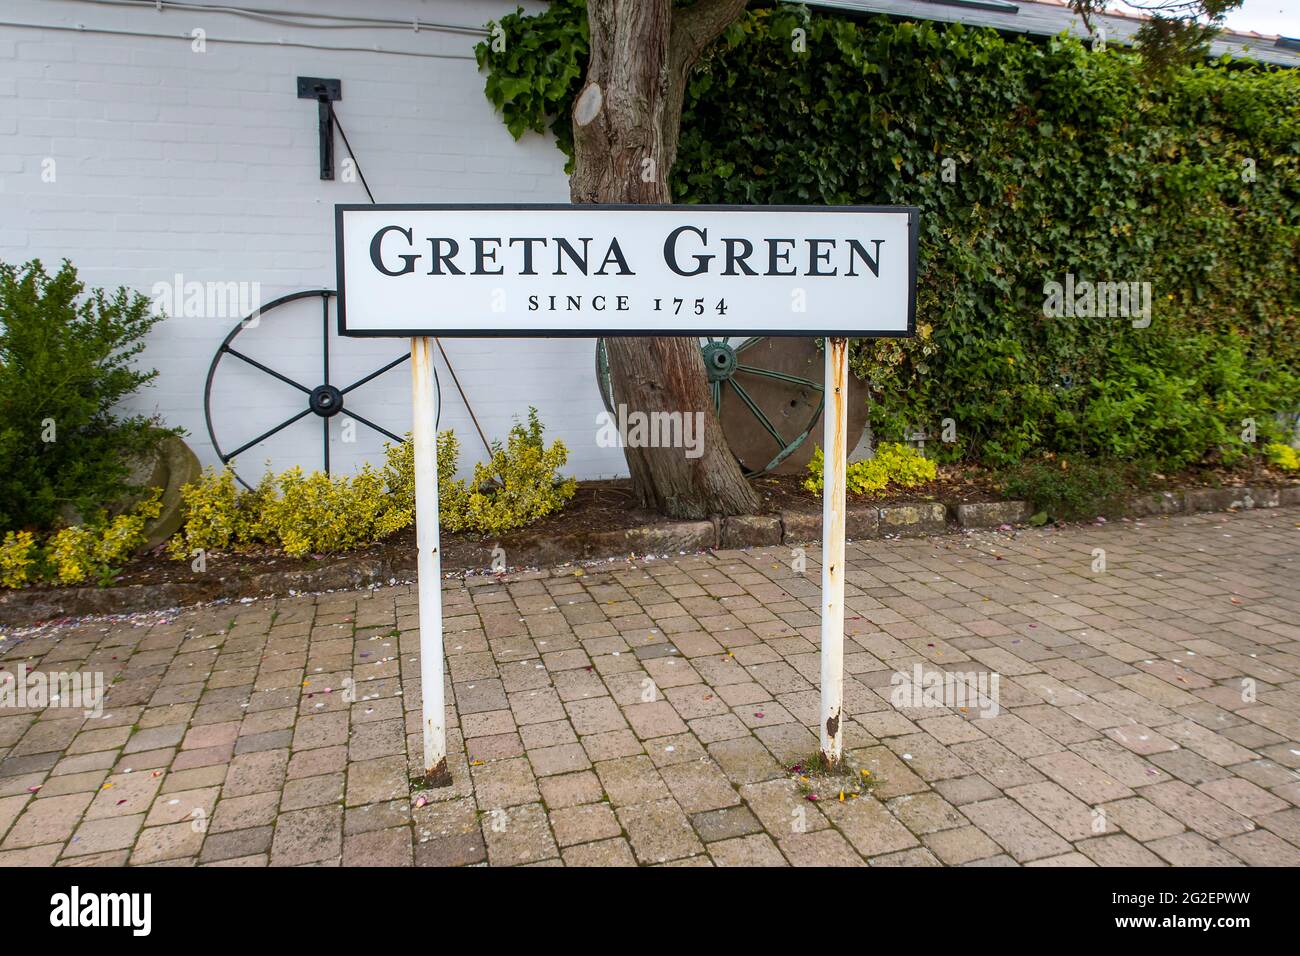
(323,92)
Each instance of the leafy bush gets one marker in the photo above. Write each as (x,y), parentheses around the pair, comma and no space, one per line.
(75,554)
(304,514)
(893,463)
(299,513)
(1283,456)
(321,512)
(520,484)
(66,361)
(1073,489)
(218,515)
(19,554)
(1029,159)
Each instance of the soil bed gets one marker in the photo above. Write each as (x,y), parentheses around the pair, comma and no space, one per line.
(591,527)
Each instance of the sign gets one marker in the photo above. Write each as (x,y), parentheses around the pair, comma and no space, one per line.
(440,270)
(584,270)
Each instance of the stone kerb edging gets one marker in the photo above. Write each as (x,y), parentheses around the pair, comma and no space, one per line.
(898,519)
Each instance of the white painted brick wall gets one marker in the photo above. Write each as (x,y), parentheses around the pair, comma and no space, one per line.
(206,164)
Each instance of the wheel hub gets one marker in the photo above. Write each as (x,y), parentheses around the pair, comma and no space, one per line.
(326,401)
(719,361)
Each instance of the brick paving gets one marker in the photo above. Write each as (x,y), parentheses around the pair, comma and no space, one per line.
(645,712)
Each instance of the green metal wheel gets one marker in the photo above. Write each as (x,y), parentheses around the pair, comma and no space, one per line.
(767,391)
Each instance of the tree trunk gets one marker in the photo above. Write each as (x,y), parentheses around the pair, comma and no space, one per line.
(626,122)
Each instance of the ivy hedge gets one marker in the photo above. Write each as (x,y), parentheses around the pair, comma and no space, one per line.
(1031,161)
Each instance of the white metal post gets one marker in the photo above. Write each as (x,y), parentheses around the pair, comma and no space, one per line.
(428,563)
(834,497)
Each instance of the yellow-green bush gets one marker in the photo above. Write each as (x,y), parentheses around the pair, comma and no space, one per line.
(320,512)
(304,514)
(218,516)
(1284,456)
(19,554)
(520,483)
(75,554)
(894,463)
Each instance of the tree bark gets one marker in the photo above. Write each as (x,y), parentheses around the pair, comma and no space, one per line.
(626,123)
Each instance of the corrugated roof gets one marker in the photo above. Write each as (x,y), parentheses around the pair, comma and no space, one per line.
(1047,18)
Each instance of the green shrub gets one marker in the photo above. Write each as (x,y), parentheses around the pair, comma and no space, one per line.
(520,484)
(895,464)
(95,550)
(322,513)
(66,361)
(301,514)
(1075,489)
(1283,456)
(19,557)
(319,513)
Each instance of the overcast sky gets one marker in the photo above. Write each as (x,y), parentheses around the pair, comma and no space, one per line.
(1276,17)
(1267,16)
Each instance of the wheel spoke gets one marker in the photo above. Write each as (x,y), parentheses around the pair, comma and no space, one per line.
(269,371)
(717,395)
(758,412)
(325,342)
(747,343)
(369,424)
(325,425)
(794,445)
(373,375)
(265,435)
(769,373)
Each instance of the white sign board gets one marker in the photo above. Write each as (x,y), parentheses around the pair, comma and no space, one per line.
(582,270)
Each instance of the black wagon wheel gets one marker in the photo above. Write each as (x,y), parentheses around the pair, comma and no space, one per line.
(766,393)
(325,399)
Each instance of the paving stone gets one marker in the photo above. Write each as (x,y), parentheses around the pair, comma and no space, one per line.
(755,850)
(1118,850)
(659,831)
(391,847)
(1192,849)
(1261,848)
(172,842)
(46,821)
(819,848)
(307,836)
(584,824)
(504,783)
(868,826)
(615,852)
(925,812)
(566,758)
(253,843)
(699,786)
(519,835)
(960,845)
(654,719)
(374,781)
(1197,810)
(460,849)
(103,835)
(725,824)
(1015,829)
